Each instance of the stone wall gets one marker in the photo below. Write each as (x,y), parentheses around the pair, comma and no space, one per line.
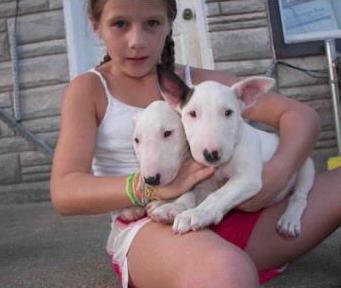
(43,74)
(241,45)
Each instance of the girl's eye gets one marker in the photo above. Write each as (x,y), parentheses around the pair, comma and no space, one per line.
(137,141)
(193,114)
(153,23)
(167,134)
(228,112)
(120,24)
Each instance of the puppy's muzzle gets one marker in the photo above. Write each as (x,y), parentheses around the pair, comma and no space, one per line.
(153,180)
(211,156)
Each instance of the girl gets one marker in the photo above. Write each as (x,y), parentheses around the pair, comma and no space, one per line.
(94,157)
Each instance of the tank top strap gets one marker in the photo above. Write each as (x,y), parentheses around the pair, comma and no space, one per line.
(188,77)
(104,83)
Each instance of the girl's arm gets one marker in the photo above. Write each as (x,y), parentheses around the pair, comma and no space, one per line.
(74,190)
(298,127)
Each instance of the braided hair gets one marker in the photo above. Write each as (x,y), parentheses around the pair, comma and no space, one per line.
(95,8)
(168,53)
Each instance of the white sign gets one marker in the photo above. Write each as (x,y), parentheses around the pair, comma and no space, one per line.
(308,20)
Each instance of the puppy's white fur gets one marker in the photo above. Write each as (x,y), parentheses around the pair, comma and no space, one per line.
(214,126)
(159,142)
(160,146)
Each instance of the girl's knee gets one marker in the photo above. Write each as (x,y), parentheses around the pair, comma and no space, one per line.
(220,268)
(238,270)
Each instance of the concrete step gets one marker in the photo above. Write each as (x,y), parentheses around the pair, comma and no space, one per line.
(39,249)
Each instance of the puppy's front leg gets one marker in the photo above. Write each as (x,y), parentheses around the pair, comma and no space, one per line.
(165,212)
(238,189)
(289,223)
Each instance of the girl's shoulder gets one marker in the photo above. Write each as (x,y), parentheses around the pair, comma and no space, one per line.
(86,85)
(85,93)
(199,75)
(86,81)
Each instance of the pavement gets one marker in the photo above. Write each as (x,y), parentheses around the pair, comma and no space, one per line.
(39,249)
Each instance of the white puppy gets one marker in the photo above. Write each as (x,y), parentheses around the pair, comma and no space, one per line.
(218,136)
(160,146)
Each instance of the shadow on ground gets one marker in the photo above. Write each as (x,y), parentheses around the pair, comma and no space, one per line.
(39,249)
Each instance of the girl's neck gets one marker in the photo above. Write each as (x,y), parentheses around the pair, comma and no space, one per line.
(135,91)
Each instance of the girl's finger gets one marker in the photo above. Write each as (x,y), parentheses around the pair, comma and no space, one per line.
(199,175)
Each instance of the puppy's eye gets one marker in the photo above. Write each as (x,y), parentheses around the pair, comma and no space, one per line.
(137,141)
(167,133)
(193,114)
(228,112)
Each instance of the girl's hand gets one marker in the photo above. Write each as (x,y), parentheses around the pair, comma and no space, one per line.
(274,179)
(189,175)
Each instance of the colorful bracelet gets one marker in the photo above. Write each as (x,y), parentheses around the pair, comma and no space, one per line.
(131,189)
(150,192)
(138,192)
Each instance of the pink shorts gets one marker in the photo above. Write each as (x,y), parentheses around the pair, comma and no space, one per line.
(236,227)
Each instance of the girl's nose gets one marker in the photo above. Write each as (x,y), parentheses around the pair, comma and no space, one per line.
(137,39)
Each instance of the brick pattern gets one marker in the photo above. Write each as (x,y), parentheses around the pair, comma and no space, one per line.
(43,75)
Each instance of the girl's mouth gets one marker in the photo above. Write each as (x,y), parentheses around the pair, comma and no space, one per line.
(137,60)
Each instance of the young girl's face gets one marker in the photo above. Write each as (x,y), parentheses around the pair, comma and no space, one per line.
(134,34)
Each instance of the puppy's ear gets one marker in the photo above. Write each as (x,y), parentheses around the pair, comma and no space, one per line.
(248,89)
(173,89)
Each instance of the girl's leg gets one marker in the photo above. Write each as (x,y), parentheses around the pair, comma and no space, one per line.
(322,216)
(159,258)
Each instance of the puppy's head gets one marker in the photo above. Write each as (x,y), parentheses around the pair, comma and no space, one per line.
(159,143)
(211,113)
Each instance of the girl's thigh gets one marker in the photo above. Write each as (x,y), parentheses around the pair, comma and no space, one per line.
(160,258)
(269,249)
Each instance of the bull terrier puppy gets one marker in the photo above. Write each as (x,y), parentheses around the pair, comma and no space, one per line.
(161,148)
(217,134)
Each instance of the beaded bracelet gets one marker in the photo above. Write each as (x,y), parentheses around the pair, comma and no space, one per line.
(138,192)
(131,190)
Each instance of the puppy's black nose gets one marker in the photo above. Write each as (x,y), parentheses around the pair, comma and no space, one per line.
(212,156)
(153,180)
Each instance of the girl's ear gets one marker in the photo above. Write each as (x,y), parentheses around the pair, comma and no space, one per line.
(249,89)
(173,89)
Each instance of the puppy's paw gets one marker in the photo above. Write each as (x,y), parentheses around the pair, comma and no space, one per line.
(167,212)
(289,225)
(132,214)
(194,219)
(151,206)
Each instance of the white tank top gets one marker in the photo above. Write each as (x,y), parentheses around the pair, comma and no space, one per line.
(114,153)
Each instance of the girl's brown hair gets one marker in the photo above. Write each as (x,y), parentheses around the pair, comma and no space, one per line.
(95,8)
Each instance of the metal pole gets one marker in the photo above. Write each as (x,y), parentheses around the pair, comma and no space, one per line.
(15,68)
(18,127)
(333,81)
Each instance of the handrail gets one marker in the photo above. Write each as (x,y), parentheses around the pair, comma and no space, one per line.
(27,134)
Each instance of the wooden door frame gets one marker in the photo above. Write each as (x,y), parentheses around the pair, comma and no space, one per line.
(73,39)
(205,43)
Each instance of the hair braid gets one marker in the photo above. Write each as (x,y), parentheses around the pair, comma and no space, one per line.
(106,59)
(168,53)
